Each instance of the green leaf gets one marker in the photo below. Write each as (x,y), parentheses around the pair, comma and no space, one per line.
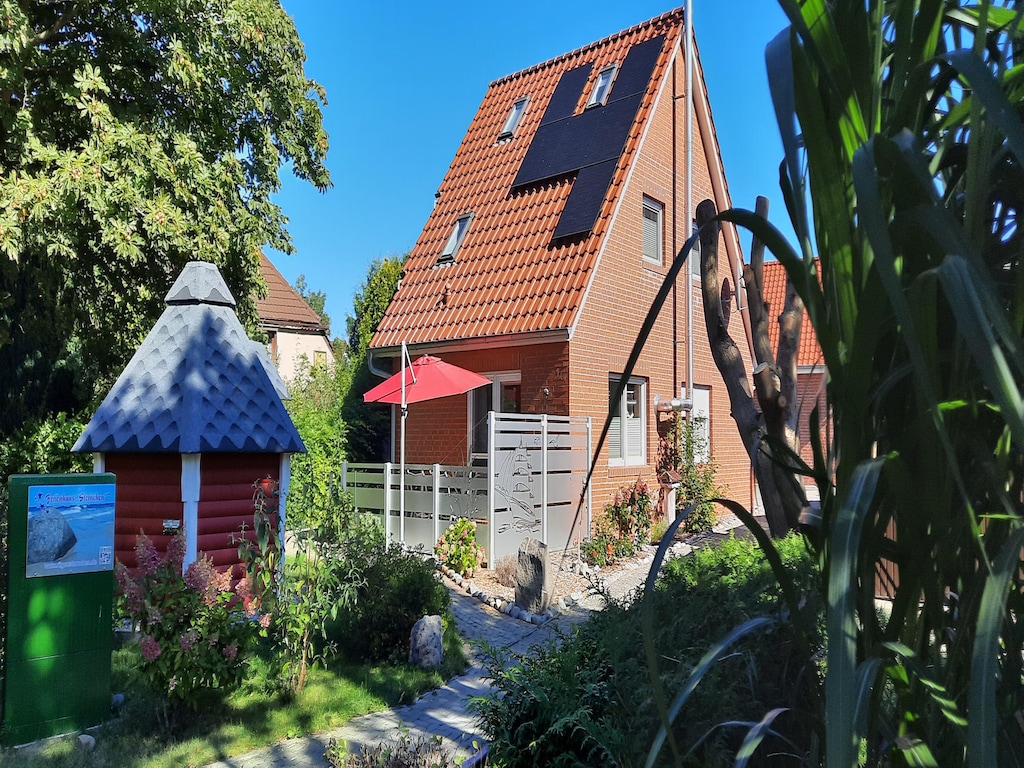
(707,661)
(981,698)
(841,687)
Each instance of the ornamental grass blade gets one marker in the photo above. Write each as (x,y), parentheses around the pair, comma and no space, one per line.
(756,735)
(936,691)
(981,698)
(707,661)
(841,689)
(867,673)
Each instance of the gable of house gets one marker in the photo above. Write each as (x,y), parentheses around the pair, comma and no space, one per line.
(293,329)
(554,227)
(535,202)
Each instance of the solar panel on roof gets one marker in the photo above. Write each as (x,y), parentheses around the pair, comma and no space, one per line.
(565,143)
(567,94)
(635,73)
(584,200)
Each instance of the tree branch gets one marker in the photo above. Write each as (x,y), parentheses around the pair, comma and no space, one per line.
(47,35)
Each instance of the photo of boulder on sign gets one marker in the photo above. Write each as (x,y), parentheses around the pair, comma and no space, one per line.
(50,537)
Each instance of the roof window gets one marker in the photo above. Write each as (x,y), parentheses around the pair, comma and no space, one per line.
(512,121)
(602,86)
(454,239)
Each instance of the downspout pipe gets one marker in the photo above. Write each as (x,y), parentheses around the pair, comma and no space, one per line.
(688,394)
(374,369)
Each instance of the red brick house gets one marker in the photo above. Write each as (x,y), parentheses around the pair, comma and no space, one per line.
(811,374)
(553,229)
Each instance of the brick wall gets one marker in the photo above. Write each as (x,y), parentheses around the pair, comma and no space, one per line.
(621,293)
(437,430)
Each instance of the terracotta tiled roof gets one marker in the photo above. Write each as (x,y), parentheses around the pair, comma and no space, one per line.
(284,307)
(508,276)
(775,294)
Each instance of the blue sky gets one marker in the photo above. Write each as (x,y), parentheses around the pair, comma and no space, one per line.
(404,80)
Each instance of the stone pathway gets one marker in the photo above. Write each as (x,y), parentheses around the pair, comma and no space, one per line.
(444,712)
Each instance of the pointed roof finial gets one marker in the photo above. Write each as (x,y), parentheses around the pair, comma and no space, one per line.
(200,283)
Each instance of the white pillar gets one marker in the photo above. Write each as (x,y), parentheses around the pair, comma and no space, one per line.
(388,466)
(190,482)
(98,463)
(437,502)
(544,478)
(491,469)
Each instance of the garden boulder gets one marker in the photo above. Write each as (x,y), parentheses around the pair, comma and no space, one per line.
(425,647)
(533,587)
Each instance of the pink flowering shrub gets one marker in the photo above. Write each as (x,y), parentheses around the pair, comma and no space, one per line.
(194,634)
(458,549)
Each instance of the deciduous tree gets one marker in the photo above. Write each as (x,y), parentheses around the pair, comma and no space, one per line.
(134,137)
(369,425)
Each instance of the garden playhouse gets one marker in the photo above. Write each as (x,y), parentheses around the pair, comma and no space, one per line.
(192,422)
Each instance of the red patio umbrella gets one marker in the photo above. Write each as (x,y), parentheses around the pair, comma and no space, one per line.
(428,378)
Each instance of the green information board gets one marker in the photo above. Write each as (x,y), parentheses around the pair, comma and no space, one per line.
(60,590)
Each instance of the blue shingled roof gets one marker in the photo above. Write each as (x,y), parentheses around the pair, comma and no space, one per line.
(197,384)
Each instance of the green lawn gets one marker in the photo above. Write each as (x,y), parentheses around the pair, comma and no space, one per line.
(256,715)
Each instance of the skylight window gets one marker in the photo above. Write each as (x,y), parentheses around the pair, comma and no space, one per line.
(454,240)
(512,121)
(602,86)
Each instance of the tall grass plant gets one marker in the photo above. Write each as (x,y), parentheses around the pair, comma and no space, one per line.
(904,142)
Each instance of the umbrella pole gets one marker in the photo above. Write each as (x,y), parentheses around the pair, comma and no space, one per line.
(401,492)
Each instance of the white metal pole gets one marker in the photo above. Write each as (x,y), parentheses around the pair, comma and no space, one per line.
(401,491)
(689,199)
(544,476)
(437,501)
(491,469)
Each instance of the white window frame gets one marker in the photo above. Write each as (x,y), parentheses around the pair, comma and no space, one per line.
(701,414)
(514,116)
(602,86)
(455,239)
(694,257)
(650,205)
(618,457)
(497,379)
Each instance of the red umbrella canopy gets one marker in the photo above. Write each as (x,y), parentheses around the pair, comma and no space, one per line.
(434,378)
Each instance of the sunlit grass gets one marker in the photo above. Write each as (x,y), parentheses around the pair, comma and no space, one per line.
(256,715)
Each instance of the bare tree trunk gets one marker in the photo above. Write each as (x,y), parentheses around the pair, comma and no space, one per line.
(774,382)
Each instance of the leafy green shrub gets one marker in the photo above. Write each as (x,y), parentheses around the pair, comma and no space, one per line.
(630,514)
(407,752)
(296,600)
(658,529)
(193,639)
(458,548)
(554,708)
(589,701)
(697,478)
(396,589)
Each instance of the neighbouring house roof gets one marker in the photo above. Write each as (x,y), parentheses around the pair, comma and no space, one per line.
(809,352)
(541,200)
(283,308)
(197,384)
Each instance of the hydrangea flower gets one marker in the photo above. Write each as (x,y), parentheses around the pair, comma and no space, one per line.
(150,648)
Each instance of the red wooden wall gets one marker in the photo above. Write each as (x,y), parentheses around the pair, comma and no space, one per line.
(149,492)
(225,499)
